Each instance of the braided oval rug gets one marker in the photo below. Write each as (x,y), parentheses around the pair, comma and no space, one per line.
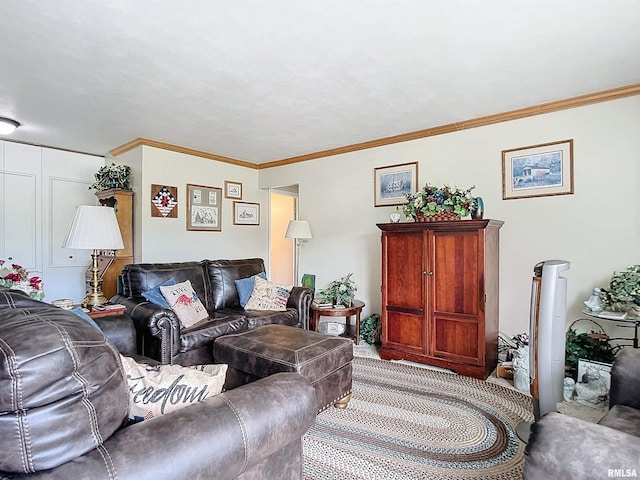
(406,422)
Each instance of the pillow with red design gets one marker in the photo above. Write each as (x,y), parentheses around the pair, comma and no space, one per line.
(185,303)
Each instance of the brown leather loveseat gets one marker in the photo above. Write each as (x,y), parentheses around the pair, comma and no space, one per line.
(65,400)
(160,335)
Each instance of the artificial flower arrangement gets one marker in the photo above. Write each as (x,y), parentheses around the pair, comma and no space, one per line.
(432,200)
(341,291)
(16,276)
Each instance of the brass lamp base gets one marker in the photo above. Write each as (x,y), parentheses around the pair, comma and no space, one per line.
(95,297)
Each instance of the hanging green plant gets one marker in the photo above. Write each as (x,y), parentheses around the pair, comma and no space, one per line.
(112,176)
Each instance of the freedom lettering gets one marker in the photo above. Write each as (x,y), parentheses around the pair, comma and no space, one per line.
(174,394)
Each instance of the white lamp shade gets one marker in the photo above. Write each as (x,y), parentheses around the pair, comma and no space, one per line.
(94,227)
(298,229)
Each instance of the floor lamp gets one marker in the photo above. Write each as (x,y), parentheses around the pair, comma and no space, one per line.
(300,230)
(94,228)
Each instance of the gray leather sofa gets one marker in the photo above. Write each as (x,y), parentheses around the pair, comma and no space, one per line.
(159,334)
(564,447)
(64,402)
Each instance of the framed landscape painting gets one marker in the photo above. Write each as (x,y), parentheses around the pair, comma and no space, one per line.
(394,182)
(538,170)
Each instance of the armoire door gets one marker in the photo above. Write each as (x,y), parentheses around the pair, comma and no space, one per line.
(456,296)
(403,295)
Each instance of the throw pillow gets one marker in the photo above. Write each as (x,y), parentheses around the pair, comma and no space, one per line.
(159,389)
(245,287)
(184,301)
(155,295)
(83,315)
(267,295)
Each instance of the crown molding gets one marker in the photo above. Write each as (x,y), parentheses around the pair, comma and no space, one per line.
(541,109)
(139,142)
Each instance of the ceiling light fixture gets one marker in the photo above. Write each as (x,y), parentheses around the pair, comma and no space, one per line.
(7,126)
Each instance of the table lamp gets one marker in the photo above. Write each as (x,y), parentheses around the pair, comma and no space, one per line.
(94,228)
(300,230)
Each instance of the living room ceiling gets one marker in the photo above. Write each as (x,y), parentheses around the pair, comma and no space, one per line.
(261,81)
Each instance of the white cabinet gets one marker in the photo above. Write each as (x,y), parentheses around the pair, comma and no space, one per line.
(39,190)
(66,178)
(20,213)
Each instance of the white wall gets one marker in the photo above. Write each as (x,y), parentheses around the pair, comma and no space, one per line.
(159,239)
(597,228)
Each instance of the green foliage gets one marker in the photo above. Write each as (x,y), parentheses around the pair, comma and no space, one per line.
(369,331)
(591,346)
(112,176)
(431,200)
(624,289)
(341,291)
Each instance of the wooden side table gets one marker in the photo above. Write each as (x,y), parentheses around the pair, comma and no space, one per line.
(355,309)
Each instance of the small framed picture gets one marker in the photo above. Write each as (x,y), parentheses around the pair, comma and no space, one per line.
(309,281)
(204,208)
(164,200)
(394,182)
(246,213)
(538,170)
(233,190)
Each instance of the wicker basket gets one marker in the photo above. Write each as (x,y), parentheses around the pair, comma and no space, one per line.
(437,217)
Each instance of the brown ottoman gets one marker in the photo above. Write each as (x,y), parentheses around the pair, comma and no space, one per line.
(324,360)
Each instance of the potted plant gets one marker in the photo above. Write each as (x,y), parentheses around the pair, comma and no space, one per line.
(341,291)
(112,176)
(439,203)
(623,293)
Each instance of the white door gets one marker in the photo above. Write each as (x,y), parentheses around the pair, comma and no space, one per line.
(66,179)
(20,193)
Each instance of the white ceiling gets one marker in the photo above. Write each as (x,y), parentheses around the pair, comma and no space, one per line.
(260,80)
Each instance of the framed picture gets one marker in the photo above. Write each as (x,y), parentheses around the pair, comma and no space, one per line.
(538,170)
(204,208)
(309,281)
(393,183)
(164,200)
(246,213)
(233,190)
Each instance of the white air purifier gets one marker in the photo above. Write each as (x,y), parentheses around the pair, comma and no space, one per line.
(547,324)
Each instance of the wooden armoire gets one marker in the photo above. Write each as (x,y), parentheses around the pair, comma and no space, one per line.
(440,294)
(112,262)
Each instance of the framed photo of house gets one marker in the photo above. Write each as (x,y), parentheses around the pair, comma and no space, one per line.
(393,183)
(233,190)
(204,208)
(246,213)
(538,170)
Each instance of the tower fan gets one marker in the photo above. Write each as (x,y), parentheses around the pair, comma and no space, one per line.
(547,323)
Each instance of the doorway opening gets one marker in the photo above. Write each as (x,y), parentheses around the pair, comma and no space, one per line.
(283,207)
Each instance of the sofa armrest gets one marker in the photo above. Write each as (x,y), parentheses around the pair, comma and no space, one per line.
(155,321)
(216,439)
(300,299)
(565,447)
(120,331)
(625,381)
